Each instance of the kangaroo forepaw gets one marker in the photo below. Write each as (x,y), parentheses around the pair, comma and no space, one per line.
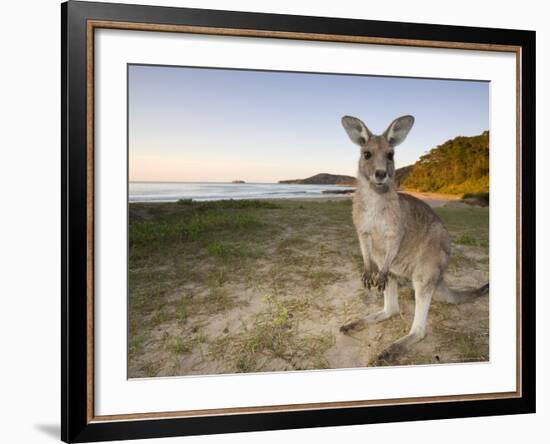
(368,279)
(380,281)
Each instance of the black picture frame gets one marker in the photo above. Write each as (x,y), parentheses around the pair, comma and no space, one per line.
(76,423)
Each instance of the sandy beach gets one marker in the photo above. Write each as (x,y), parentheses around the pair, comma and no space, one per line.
(253,286)
(436,200)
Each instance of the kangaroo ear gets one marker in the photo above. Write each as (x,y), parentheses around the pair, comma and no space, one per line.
(357,130)
(398,130)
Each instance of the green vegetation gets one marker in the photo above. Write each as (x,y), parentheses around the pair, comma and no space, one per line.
(467,226)
(458,166)
(229,204)
(153,224)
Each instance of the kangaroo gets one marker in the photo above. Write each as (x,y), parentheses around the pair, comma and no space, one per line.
(399,236)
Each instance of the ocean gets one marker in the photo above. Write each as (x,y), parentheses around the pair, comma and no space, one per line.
(173,191)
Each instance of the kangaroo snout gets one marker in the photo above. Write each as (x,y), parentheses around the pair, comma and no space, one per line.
(380,174)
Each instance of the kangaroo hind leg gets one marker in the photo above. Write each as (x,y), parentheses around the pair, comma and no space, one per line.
(424,289)
(391,308)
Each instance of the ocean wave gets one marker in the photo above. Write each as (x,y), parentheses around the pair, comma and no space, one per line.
(161,192)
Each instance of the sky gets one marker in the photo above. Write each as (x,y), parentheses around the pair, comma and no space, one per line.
(218,125)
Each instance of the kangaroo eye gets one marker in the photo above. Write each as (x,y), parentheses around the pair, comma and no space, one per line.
(367,155)
(390,156)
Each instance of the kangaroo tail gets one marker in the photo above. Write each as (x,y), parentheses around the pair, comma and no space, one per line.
(446,294)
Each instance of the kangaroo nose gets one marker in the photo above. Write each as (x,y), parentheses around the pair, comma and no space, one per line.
(380,174)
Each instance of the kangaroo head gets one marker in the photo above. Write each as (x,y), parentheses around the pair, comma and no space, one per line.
(376,163)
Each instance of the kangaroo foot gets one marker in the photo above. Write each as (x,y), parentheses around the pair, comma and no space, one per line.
(398,348)
(357,325)
(360,324)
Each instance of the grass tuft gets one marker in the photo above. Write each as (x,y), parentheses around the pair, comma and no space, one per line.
(272,335)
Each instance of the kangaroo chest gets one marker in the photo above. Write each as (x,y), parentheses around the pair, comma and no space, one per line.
(377,218)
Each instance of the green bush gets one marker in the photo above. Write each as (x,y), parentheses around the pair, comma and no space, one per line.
(481,198)
(458,166)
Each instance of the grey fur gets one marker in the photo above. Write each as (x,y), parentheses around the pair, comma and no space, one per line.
(399,236)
